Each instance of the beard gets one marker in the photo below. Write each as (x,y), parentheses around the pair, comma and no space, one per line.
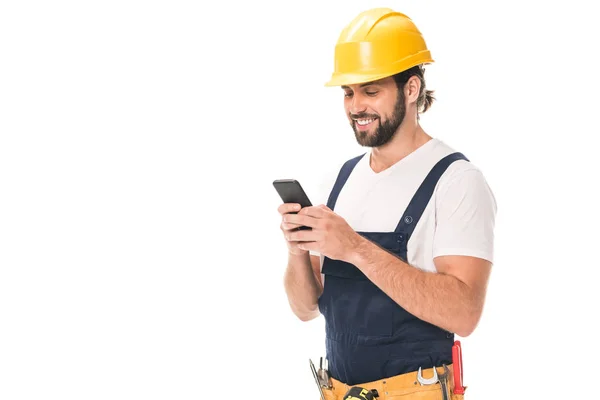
(384,131)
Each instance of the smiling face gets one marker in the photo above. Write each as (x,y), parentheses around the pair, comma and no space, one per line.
(375,111)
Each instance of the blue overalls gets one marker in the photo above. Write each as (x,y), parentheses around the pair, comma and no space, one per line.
(368,335)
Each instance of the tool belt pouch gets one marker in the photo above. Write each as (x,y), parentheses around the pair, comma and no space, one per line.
(358,393)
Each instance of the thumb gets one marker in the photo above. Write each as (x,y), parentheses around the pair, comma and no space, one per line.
(324,207)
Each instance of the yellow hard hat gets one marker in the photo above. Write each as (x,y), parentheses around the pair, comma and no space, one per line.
(378,43)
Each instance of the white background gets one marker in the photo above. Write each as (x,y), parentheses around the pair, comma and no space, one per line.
(140,251)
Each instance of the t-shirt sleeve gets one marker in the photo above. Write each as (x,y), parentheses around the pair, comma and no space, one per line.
(465,217)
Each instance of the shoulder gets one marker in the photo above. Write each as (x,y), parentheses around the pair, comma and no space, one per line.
(463,181)
(460,171)
(465,212)
(464,170)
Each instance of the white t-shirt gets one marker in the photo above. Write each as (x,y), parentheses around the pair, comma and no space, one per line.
(458,220)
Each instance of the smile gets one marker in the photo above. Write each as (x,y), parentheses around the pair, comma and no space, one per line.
(363,122)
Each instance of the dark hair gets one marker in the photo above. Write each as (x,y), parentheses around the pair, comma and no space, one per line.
(425,99)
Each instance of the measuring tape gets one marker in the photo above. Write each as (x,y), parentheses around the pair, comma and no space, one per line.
(358,393)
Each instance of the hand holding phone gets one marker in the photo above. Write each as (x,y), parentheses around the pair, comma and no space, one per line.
(291,191)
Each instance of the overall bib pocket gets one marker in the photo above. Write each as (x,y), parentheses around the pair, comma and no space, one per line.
(355,307)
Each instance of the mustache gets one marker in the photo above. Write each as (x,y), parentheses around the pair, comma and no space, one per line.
(363,116)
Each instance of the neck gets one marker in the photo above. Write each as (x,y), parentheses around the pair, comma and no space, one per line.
(407,139)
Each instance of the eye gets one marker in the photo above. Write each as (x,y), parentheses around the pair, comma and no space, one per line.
(347,94)
(371,93)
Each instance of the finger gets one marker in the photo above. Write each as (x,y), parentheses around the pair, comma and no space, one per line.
(286,208)
(300,220)
(314,211)
(324,207)
(310,246)
(301,236)
(288,227)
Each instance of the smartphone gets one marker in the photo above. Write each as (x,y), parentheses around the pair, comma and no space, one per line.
(291,191)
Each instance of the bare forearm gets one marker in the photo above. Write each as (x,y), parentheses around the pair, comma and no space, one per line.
(439,299)
(302,288)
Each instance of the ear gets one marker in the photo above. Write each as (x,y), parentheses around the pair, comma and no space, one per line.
(412,89)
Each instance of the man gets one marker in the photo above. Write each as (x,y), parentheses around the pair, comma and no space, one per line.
(398,260)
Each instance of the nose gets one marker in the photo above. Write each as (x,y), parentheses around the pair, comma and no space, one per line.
(357,104)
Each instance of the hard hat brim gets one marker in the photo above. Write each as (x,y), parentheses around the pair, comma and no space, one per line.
(353,79)
(343,79)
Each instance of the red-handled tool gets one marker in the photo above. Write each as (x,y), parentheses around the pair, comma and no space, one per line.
(458,368)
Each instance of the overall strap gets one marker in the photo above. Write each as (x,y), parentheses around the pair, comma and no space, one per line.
(341,180)
(419,202)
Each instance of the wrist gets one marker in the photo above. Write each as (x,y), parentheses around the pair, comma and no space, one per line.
(356,253)
(298,254)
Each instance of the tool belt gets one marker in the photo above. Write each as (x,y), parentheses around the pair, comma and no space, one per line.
(400,387)
(445,383)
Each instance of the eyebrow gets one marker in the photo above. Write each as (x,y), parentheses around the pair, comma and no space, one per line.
(362,85)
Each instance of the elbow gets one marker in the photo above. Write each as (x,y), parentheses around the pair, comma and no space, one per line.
(304,313)
(468,324)
(308,316)
(465,331)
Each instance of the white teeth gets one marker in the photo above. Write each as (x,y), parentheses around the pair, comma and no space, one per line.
(363,122)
